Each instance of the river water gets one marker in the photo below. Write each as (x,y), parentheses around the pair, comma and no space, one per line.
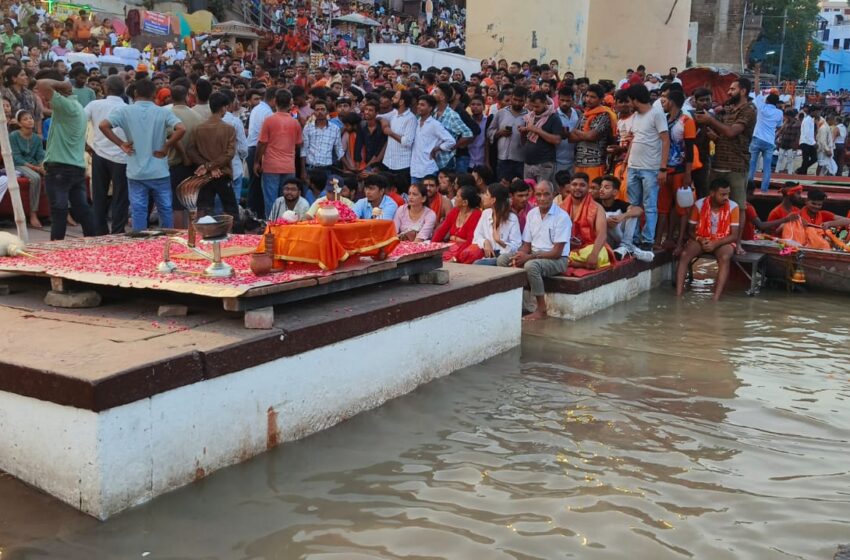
(656,429)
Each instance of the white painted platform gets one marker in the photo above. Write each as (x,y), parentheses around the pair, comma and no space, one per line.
(103,463)
(575,306)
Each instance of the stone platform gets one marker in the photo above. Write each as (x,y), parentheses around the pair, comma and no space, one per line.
(573,298)
(106,408)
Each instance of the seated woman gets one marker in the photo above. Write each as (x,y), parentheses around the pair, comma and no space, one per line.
(414,221)
(461,222)
(498,228)
(28,153)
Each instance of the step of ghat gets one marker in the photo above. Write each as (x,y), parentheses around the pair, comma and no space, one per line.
(574,298)
(107,408)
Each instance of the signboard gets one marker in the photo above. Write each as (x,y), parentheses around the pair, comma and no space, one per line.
(63,11)
(156,23)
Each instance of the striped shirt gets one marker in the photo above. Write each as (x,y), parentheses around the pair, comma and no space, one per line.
(322,146)
(397,155)
(452,122)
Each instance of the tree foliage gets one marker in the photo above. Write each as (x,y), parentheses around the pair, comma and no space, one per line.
(799,33)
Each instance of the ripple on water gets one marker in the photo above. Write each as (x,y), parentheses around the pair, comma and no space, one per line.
(657,429)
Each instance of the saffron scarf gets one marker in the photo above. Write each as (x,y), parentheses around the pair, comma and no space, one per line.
(724,221)
(437,205)
(584,224)
(591,114)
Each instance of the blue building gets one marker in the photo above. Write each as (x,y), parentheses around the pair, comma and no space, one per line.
(834,70)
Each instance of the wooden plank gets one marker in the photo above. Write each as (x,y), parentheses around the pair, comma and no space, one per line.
(405,269)
(414,256)
(230,305)
(57,284)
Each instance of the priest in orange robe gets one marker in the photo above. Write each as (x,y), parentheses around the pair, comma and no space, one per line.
(590,227)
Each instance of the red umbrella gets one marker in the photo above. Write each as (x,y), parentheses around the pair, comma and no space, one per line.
(717,80)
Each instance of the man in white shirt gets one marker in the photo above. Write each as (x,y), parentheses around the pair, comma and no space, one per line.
(431,138)
(545,246)
(241,142)
(624,83)
(400,129)
(674,75)
(840,140)
(808,145)
(769,118)
(259,114)
(647,159)
(108,162)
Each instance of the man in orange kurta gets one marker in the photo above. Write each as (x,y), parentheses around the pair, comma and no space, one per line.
(590,228)
(792,200)
(713,228)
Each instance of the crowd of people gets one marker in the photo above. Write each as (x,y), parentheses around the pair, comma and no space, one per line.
(302,29)
(520,164)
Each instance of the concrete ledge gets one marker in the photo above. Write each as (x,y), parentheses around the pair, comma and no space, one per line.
(108,372)
(574,298)
(250,395)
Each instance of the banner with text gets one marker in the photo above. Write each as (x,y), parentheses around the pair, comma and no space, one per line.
(156,23)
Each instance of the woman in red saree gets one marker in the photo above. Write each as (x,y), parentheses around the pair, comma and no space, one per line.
(459,226)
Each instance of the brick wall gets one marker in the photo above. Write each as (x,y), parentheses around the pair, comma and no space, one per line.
(720,31)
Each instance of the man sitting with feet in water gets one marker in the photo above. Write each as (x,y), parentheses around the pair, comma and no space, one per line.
(712,228)
(545,246)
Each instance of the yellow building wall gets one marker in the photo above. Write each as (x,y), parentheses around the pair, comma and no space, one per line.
(526,29)
(625,33)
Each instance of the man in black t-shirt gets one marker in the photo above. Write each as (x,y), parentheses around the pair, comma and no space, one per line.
(622,219)
(540,136)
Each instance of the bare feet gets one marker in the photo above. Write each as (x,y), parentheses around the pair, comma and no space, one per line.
(536,316)
(34,221)
(71,221)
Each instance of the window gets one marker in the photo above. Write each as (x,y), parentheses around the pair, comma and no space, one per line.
(846,44)
(836,43)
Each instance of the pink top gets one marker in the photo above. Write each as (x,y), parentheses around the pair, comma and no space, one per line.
(425,224)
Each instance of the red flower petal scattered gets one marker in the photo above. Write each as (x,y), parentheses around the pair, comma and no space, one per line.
(125,260)
(346,214)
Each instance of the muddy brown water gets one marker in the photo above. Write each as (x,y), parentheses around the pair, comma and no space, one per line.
(656,429)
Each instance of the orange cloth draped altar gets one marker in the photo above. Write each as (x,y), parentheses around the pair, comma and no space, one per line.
(327,247)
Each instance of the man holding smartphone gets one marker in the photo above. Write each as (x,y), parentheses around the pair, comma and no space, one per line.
(504,131)
(565,154)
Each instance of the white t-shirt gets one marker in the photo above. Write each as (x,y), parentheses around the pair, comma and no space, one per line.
(509,232)
(842,134)
(646,145)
